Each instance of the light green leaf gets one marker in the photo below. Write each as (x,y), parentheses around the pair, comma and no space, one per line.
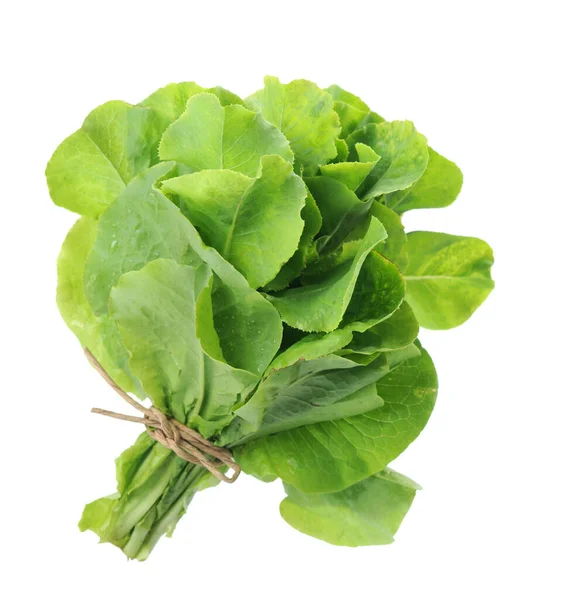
(398,331)
(97,333)
(226,97)
(126,135)
(403,153)
(331,456)
(91,168)
(169,102)
(342,151)
(155,309)
(143,225)
(353,112)
(305,252)
(304,113)
(210,136)
(255,224)
(366,514)
(365,153)
(352,174)
(321,306)
(438,187)
(448,277)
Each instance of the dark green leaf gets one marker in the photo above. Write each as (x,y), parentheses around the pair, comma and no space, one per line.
(312,391)
(305,252)
(398,331)
(341,211)
(321,306)
(331,456)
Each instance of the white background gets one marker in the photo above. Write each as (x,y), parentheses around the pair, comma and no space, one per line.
(489,83)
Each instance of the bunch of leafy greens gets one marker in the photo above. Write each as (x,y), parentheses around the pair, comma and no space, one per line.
(243,264)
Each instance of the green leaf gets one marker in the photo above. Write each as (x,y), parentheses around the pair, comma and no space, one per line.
(91,168)
(321,306)
(210,136)
(169,102)
(400,355)
(140,226)
(398,331)
(352,174)
(393,358)
(395,247)
(331,456)
(312,391)
(304,113)
(365,514)
(438,187)
(448,277)
(379,291)
(143,225)
(255,224)
(353,112)
(340,209)
(403,153)
(305,253)
(155,309)
(97,333)
(314,345)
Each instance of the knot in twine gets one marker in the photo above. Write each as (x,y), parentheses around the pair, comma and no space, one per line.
(183,441)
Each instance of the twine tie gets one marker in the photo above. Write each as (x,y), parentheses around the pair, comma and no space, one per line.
(174,435)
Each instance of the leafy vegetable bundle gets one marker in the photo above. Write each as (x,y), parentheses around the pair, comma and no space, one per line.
(242,264)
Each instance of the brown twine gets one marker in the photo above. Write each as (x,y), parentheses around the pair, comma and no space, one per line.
(183,441)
